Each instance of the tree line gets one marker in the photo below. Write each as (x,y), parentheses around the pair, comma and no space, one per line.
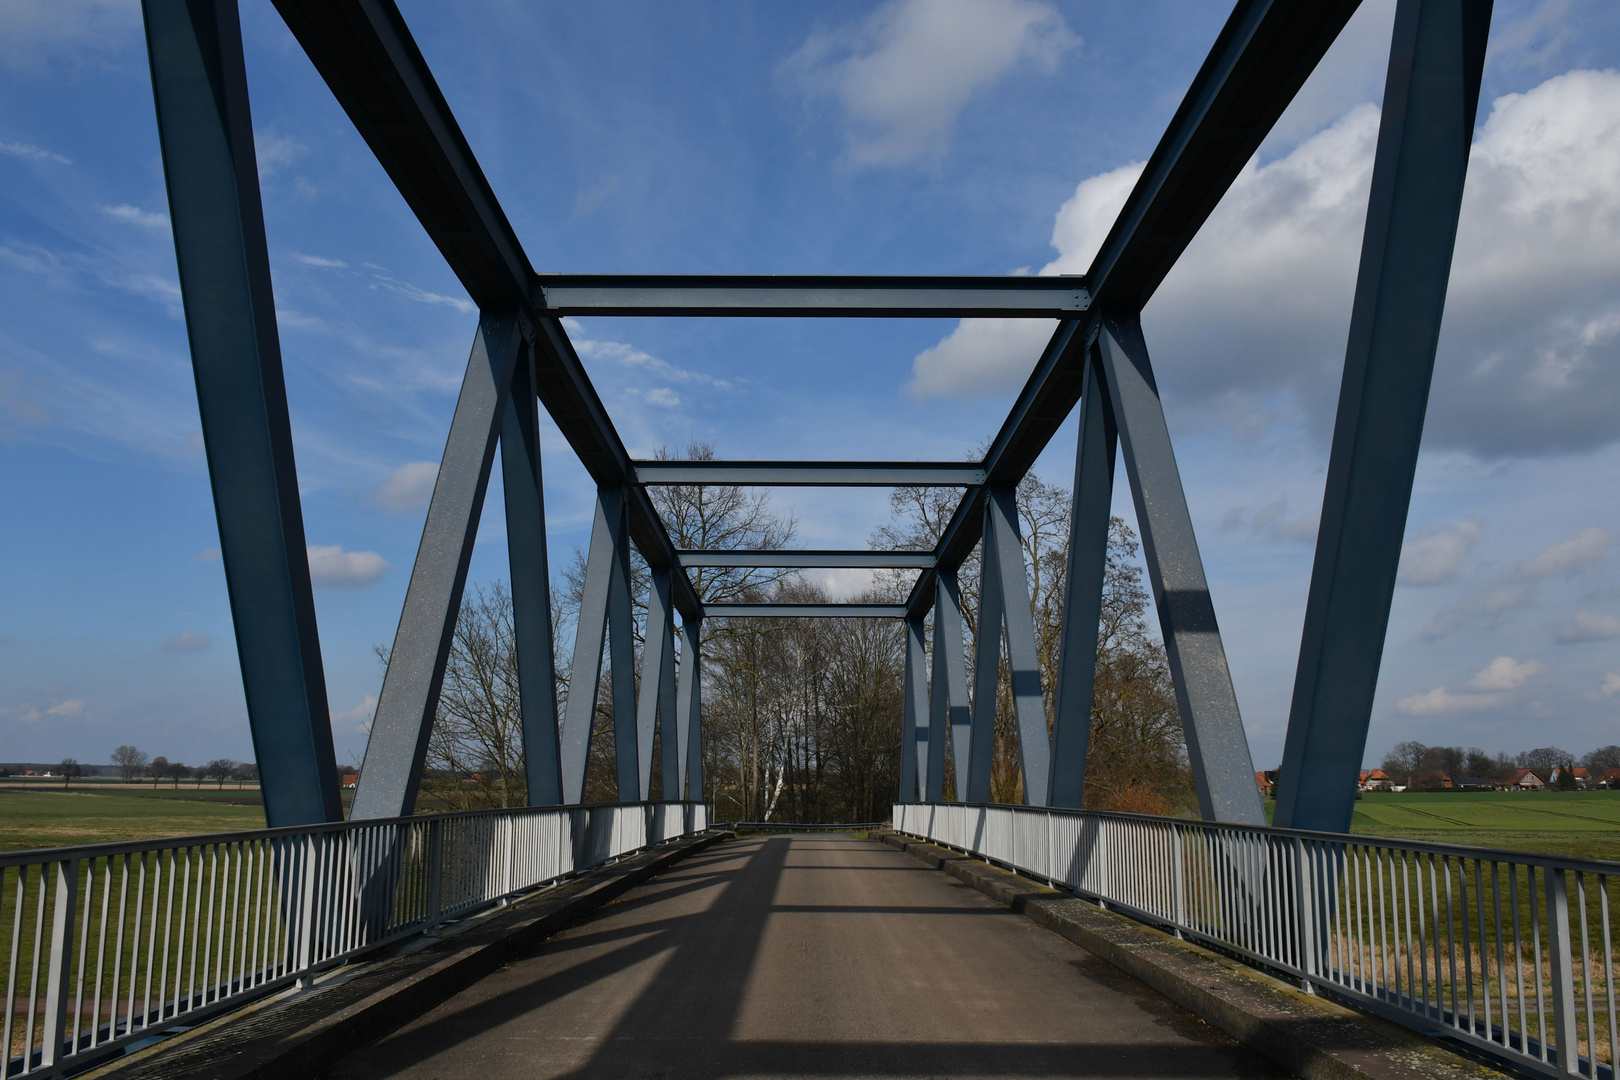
(802,716)
(134,764)
(1412,764)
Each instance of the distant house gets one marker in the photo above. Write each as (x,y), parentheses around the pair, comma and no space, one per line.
(348,779)
(1431,781)
(1526,780)
(1609,778)
(1474,783)
(1375,780)
(1583,778)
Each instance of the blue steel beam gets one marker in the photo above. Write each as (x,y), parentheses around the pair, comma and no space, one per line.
(199,86)
(1431,97)
(817,611)
(669,746)
(1217,748)
(1023,662)
(607,537)
(655,651)
(876,560)
(950,681)
(531,586)
(1082,601)
(409,700)
(913,706)
(689,710)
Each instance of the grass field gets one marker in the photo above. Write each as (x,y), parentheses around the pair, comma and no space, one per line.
(36,815)
(1583,823)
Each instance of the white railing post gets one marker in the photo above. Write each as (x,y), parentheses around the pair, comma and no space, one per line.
(1179,878)
(1563,973)
(1305,914)
(56,990)
(306,906)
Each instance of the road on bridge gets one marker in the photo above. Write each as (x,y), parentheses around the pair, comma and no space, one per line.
(805,956)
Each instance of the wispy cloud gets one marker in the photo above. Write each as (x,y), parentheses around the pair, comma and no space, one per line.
(904,74)
(70,707)
(1589,626)
(134,215)
(30,152)
(1567,556)
(1435,555)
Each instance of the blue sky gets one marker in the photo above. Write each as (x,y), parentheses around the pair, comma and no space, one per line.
(909,136)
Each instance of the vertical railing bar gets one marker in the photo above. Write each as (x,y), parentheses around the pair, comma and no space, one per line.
(1535,940)
(19,902)
(1608,976)
(1446,865)
(89,891)
(1586,971)
(33,981)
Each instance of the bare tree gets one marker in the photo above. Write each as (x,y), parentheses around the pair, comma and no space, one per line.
(219,770)
(130,761)
(475,754)
(68,769)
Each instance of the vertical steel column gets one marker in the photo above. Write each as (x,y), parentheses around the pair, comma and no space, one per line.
(622,656)
(199,85)
(531,585)
(660,630)
(915,701)
(689,709)
(1431,97)
(950,680)
(409,699)
(1216,745)
(986,676)
(1082,601)
(608,541)
(669,742)
(1023,662)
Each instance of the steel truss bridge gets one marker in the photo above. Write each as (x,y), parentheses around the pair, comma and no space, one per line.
(1266,880)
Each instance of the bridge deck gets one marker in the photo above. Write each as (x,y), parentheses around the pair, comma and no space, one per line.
(805,956)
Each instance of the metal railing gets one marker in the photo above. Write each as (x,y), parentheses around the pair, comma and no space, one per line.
(1511,954)
(113,943)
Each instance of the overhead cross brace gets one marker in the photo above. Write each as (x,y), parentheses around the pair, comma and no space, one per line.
(787,295)
(809,558)
(812,473)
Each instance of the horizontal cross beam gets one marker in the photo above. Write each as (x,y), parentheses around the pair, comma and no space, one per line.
(871,560)
(816,611)
(812,473)
(814,296)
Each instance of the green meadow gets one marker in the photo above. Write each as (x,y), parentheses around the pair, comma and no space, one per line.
(1578,823)
(37,815)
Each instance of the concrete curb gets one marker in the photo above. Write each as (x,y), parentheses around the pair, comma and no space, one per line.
(1310,1036)
(299,1033)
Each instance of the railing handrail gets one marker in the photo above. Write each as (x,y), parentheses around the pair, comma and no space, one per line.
(29,856)
(1533,858)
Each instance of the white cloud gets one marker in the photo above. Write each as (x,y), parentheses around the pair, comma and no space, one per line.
(186,641)
(989,355)
(134,215)
(618,352)
(1505,673)
(1589,626)
(1581,550)
(360,715)
(407,488)
(334,568)
(662,396)
(1259,305)
(1271,522)
(1491,687)
(25,713)
(30,152)
(1611,683)
(70,707)
(906,72)
(205,555)
(1440,701)
(1435,555)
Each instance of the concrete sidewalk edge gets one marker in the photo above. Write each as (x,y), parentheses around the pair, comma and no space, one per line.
(424,982)
(1312,1037)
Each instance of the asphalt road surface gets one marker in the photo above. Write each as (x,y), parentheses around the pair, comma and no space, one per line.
(819,956)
